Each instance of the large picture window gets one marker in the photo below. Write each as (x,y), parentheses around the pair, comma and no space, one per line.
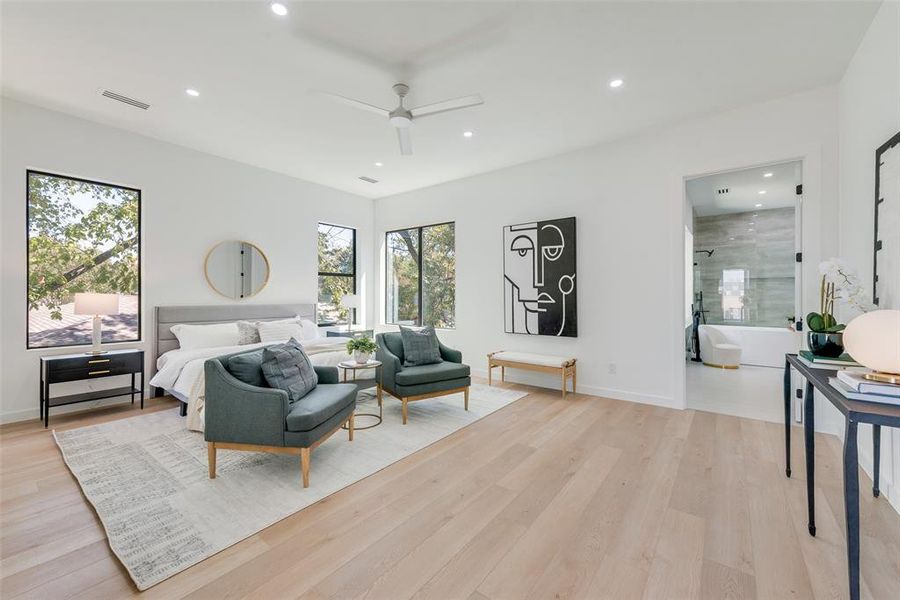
(83,236)
(421,276)
(337,272)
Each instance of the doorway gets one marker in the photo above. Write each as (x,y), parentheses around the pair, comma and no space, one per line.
(743,282)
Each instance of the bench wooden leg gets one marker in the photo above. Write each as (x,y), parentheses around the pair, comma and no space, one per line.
(574,379)
(467,398)
(211,457)
(304,465)
(404,411)
(490,372)
(503,374)
(563,383)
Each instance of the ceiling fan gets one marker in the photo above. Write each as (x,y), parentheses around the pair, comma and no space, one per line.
(401,117)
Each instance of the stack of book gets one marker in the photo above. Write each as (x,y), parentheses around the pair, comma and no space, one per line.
(856,387)
(824,362)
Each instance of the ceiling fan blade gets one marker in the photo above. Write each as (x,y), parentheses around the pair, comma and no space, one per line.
(405,141)
(359,104)
(446,105)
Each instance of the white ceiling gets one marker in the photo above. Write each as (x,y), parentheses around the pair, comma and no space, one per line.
(542,69)
(744,189)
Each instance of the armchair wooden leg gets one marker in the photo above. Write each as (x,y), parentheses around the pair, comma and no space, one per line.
(304,465)
(350,426)
(490,371)
(211,458)
(503,374)
(404,411)
(466,393)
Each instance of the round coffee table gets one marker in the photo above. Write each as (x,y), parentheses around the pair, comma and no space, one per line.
(352,366)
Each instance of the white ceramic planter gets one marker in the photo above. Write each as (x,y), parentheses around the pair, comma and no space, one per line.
(361,357)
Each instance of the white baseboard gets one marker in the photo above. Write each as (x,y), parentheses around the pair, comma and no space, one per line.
(526,378)
(29,414)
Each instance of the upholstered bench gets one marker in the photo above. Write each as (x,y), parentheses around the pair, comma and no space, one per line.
(545,363)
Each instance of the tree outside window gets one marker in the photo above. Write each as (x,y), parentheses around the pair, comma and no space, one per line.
(337,272)
(421,276)
(83,236)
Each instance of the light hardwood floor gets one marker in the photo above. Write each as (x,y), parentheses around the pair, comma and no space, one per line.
(547,498)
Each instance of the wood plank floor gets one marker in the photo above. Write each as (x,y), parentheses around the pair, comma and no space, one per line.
(547,498)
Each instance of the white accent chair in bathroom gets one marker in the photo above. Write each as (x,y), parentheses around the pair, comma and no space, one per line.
(717,350)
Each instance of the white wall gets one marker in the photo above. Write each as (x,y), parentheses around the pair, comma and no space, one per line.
(190,202)
(628,197)
(869,114)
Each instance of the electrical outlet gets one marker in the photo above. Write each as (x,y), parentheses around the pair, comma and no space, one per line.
(612,368)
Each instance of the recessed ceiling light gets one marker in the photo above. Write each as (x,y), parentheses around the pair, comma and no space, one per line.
(751,229)
(758,205)
(192,92)
(767,174)
(616,83)
(761,192)
(379,164)
(751,223)
(467,134)
(279,9)
(731,239)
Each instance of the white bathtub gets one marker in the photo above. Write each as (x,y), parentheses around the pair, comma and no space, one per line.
(762,346)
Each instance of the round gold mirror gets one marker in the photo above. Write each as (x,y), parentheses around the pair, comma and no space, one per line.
(237,269)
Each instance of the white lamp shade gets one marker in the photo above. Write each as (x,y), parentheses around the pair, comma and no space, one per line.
(873,340)
(89,303)
(350,301)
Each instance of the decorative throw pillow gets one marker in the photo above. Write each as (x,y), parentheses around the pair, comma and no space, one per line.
(287,367)
(248,368)
(420,346)
(249,334)
(276,331)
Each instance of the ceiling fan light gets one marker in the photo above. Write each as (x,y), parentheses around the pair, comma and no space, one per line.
(401,121)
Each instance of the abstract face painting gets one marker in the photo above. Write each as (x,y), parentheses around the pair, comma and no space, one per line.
(539,278)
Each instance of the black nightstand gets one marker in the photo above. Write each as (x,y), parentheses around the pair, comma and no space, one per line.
(79,367)
(369,333)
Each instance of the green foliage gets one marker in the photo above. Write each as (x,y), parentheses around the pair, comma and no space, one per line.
(335,246)
(438,250)
(363,344)
(823,323)
(70,251)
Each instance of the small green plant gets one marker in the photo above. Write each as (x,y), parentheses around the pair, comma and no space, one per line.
(363,344)
(824,321)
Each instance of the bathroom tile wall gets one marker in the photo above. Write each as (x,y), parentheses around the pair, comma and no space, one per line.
(760,244)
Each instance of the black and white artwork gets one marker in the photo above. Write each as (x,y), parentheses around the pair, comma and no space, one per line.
(539,284)
(887,224)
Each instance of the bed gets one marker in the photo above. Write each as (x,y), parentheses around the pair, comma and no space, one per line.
(179,372)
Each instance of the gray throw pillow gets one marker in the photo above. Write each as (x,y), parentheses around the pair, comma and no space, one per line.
(287,367)
(248,333)
(248,368)
(420,346)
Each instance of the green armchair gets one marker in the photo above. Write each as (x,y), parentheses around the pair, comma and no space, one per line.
(409,384)
(242,416)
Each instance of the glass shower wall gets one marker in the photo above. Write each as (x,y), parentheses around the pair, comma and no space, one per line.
(749,277)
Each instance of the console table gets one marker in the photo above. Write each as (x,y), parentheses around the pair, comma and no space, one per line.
(855,412)
(80,367)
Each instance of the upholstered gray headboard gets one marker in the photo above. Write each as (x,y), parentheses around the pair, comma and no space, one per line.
(166,316)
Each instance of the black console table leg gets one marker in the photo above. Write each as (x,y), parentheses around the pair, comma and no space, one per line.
(183,410)
(787,418)
(876,459)
(809,426)
(851,506)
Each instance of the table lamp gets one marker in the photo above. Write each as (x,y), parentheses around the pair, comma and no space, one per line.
(873,340)
(90,303)
(351,303)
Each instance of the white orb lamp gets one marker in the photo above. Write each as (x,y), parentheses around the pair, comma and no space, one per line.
(873,340)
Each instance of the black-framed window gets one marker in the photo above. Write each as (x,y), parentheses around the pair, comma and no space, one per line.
(421,276)
(337,272)
(82,236)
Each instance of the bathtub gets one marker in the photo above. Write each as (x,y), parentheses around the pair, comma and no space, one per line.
(762,346)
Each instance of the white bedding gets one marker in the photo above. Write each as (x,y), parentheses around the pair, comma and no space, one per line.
(181,371)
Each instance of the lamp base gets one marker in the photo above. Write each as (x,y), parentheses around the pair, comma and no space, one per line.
(883,377)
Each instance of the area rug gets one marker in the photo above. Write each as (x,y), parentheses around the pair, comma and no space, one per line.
(147,478)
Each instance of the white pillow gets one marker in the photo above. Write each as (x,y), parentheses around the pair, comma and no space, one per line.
(279,331)
(206,336)
(310,329)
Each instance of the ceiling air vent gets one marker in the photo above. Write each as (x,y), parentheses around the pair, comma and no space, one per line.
(125,99)
(368,179)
